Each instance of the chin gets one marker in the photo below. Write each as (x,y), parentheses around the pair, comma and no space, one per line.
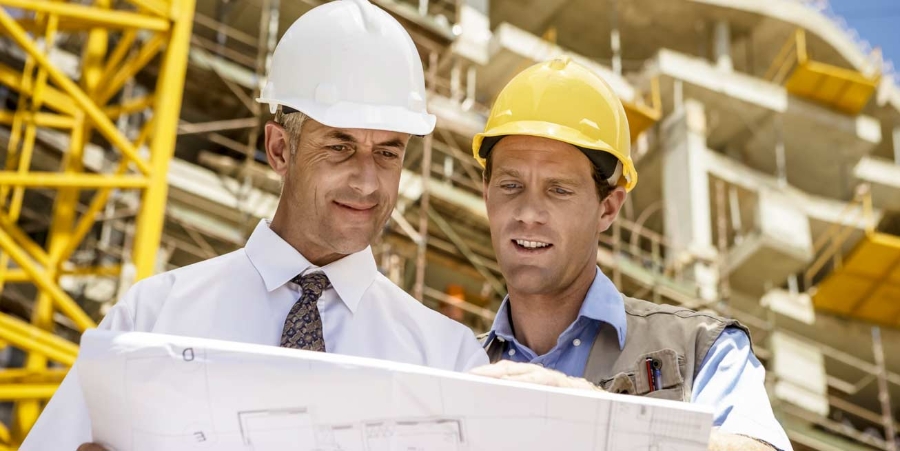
(351,241)
(529,279)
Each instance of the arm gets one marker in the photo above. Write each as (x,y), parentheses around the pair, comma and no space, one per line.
(528,372)
(732,381)
(723,441)
(91,447)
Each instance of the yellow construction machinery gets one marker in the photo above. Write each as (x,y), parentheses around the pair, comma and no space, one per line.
(82,105)
(865,283)
(842,89)
(643,113)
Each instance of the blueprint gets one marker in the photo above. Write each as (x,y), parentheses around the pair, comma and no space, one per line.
(151,392)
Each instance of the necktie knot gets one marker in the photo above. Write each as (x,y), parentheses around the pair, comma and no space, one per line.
(312,285)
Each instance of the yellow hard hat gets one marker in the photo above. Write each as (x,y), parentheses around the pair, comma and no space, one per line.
(565,101)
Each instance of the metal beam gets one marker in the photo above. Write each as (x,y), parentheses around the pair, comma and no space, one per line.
(62,300)
(424,199)
(34,339)
(97,17)
(185,128)
(57,180)
(169,91)
(17,392)
(48,120)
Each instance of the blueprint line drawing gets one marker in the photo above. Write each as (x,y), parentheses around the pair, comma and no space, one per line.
(151,392)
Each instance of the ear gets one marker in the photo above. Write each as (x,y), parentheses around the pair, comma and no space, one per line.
(609,208)
(278,148)
(484,190)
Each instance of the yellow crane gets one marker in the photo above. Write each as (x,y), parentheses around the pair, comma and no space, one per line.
(85,109)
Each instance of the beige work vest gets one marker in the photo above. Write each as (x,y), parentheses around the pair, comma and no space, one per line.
(676,338)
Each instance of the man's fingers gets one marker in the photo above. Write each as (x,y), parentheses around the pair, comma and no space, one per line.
(534,378)
(91,447)
(505,368)
(534,374)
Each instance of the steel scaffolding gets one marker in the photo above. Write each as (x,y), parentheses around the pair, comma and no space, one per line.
(116,42)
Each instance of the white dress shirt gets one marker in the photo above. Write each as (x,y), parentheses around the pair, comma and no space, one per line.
(245,296)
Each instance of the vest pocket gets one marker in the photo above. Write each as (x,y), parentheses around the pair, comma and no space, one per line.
(659,375)
(622,383)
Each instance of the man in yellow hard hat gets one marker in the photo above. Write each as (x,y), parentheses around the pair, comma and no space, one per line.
(557,169)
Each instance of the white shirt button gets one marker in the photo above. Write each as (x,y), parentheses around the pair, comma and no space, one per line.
(512,352)
(576,342)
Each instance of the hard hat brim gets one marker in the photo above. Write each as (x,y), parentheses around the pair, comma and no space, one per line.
(364,116)
(549,130)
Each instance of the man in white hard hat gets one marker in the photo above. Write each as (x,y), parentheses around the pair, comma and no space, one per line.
(557,160)
(348,91)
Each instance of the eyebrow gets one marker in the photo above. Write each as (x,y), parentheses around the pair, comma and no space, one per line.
(396,143)
(552,180)
(342,136)
(564,181)
(509,172)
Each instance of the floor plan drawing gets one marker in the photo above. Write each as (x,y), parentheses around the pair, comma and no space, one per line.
(149,392)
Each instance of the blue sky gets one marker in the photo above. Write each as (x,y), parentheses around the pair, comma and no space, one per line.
(877,21)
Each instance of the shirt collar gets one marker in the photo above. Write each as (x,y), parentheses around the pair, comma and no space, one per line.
(277,262)
(603,302)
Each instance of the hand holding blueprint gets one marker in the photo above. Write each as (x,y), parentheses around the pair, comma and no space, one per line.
(149,392)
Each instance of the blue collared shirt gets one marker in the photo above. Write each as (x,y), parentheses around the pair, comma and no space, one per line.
(730,379)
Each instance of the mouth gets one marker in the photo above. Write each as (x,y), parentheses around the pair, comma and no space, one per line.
(356,209)
(531,246)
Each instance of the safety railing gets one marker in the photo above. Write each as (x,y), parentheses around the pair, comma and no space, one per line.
(792,53)
(828,247)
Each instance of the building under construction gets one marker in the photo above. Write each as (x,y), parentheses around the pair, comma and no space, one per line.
(766,135)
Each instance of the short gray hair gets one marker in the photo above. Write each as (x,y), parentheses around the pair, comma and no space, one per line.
(292,123)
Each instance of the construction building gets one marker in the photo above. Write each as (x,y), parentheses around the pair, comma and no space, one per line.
(766,136)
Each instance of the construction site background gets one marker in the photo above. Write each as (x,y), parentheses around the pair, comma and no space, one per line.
(766,135)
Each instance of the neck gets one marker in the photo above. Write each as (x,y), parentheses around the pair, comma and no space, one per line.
(540,318)
(315,254)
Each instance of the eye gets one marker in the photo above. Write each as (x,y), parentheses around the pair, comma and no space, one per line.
(509,186)
(339,148)
(389,155)
(561,191)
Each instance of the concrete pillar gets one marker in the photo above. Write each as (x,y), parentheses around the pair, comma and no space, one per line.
(678,94)
(722,46)
(686,196)
(897,145)
(456,89)
(780,162)
(474,31)
(614,38)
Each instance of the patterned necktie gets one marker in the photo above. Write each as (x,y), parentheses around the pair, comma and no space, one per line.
(303,325)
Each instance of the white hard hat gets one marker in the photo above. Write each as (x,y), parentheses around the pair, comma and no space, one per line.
(348,64)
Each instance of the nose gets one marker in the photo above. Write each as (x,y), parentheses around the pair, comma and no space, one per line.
(364,176)
(532,209)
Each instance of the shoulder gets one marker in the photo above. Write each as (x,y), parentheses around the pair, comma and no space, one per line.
(213,267)
(146,298)
(644,309)
(401,305)
(206,269)
(432,339)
